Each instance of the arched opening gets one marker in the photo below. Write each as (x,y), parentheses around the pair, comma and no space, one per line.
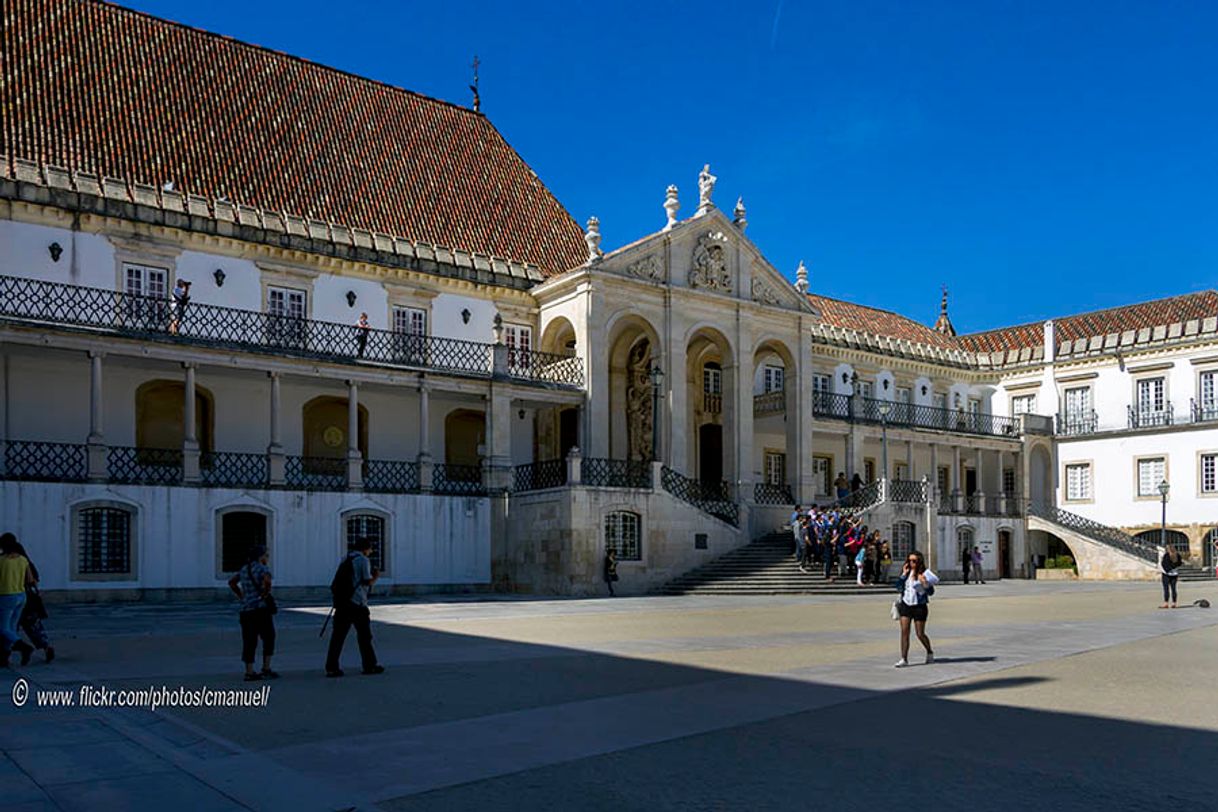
(710,377)
(559,337)
(464,437)
(240,531)
(775,419)
(1040,473)
(160,416)
(1004,553)
(904,540)
(1174,538)
(634,349)
(325,441)
(1209,549)
(359,525)
(556,430)
(964,544)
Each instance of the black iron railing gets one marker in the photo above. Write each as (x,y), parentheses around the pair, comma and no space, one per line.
(907,491)
(947,503)
(457,480)
(713,498)
(1095,531)
(859,409)
(390,476)
(595,472)
(147,317)
(144,466)
(1074,423)
(536,476)
(46,462)
(1203,412)
(765,493)
(865,496)
(712,403)
(233,469)
(770,403)
(1144,418)
(315,473)
(1014,505)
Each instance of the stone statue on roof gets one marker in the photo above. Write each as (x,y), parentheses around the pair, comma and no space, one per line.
(944,324)
(706,187)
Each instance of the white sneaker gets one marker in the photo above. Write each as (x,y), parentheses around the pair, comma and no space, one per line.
(930,657)
(901,663)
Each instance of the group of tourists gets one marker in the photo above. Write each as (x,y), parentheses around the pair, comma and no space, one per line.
(833,539)
(349,590)
(21,606)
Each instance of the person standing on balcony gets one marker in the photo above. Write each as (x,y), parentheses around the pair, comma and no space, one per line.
(252,586)
(1169,569)
(362,327)
(177,306)
(978,574)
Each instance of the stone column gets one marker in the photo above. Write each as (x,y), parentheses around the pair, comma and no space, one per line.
(1003,496)
(957,480)
(497,464)
(426,464)
(934,474)
(977,463)
(801,415)
(355,461)
(909,461)
(97,441)
(190,442)
(276,462)
(575,467)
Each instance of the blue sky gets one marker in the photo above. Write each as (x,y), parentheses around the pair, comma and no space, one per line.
(1039,158)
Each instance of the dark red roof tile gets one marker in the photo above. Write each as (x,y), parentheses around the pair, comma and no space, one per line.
(849,315)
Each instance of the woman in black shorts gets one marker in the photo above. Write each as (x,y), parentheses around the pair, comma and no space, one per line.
(916,585)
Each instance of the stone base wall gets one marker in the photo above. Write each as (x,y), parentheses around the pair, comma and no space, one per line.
(1095,561)
(556,541)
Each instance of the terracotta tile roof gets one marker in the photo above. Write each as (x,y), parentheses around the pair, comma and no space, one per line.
(99,88)
(1155,313)
(838,313)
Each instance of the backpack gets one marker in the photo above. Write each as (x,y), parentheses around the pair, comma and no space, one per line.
(342,588)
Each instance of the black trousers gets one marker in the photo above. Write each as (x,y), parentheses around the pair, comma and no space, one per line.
(1169,586)
(257,623)
(344,618)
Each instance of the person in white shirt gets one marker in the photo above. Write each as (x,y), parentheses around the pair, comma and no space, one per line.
(916,585)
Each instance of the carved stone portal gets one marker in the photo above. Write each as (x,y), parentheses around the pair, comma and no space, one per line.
(639,401)
(709,269)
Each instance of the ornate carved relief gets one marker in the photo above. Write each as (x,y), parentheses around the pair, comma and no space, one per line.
(638,401)
(709,268)
(764,293)
(648,268)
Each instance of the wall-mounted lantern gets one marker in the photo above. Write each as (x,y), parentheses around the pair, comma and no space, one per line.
(465,314)
(56,250)
(350,298)
(219,275)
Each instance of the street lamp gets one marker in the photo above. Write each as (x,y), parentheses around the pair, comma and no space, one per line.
(885,408)
(657,379)
(1163,489)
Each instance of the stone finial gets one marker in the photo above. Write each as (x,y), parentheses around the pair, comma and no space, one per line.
(801,278)
(739,219)
(593,238)
(706,188)
(671,205)
(944,324)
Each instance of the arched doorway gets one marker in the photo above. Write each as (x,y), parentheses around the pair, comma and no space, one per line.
(160,409)
(1209,549)
(964,544)
(1175,539)
(240,531)
(633,351)
(710,379)
(775,417)
(324,443)
(1004,553)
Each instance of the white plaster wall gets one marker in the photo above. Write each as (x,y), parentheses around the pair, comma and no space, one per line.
(242,280)
(87,259)
(330,300)
(434,539)
(48,397)
(446,318)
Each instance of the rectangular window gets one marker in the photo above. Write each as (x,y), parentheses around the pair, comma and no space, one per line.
(773,378)
(622,535)
(372,527)
(974,406)
(1078,403)
(1008,481)
(1023,404)
(865,388)
(1078,481)
(821,475)
(1150,473)
(1209,473)
(146,303)
(519,340)
(1208,399)
(286,309)
(104,542)
(775,468)
(1152,399)
(869,470)
(904,394)
(410,321)
(900,471)
(944,479)
(939,400)
(712,380)
(820,392)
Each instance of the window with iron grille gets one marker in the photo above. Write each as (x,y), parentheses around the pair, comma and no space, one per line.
(1209,393)
(103,541)
(622,535)
(869,470)
(372,527)
(775,468)
(1008,481)
(1078,481)
(1023,404)
(944,479)
(1209,474)
(904,534)
(1151,395)
(148,287)
(1150,473)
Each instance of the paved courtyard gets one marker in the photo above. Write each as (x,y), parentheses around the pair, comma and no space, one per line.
(1061,696)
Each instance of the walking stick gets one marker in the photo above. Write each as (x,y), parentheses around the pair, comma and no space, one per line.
(326,622)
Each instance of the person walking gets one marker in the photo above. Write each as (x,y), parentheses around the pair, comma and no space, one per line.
(32,615)
(362,328)
(916,585)
(1169,573)
(797,531)
(978,573)
(350,587)
(829,553)
(810,543)
(252,586)
(15,578)
(610,572)
(966,562)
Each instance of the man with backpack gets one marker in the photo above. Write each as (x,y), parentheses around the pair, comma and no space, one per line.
(352,582)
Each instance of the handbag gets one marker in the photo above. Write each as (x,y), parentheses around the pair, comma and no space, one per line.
(896,614)
(268,600)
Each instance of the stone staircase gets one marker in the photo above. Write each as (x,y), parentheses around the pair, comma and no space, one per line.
(765,567)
